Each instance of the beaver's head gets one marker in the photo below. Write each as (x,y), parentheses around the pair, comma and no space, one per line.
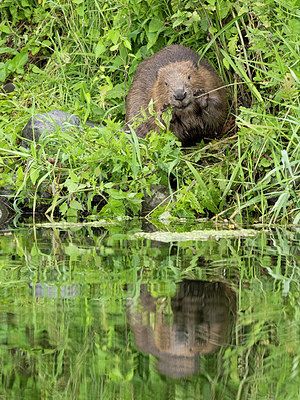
(177,86)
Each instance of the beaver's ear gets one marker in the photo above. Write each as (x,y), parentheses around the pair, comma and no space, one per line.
(157,73)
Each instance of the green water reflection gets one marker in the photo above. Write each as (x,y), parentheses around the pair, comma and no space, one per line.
(93,314)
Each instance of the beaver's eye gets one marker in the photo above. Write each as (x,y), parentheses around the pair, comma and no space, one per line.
(166,83)
(189,77)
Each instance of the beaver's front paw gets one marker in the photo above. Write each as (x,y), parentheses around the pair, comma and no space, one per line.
(201,98)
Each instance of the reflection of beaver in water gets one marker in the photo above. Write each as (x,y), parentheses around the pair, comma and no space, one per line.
(174,77)
(196,320)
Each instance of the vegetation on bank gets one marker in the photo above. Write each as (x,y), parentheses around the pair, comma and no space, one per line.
(80,56)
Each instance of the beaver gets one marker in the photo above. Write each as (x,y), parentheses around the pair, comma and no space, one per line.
(176,78)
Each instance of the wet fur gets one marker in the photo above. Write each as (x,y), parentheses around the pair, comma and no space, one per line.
(177,69)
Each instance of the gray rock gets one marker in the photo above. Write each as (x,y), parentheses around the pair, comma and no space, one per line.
(46,123)
(91,123)
(53,291)
(6,212)
(9,87)
(160,194)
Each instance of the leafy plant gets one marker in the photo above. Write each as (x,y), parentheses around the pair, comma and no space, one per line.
(81,57)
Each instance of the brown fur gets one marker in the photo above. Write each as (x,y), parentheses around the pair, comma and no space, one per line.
(174,77)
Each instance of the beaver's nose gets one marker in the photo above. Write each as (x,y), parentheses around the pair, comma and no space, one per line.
(179,94)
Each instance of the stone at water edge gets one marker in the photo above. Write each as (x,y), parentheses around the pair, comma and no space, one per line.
(47,122)
(9,87)
(160,194)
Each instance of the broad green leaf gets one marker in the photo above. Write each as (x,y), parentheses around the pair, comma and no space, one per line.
(34,175)
(80,11)
(100,49)
(76,205)
(155,25)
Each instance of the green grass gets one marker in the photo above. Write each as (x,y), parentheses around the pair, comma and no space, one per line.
(80,57)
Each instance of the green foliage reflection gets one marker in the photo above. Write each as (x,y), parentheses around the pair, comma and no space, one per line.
(66,332)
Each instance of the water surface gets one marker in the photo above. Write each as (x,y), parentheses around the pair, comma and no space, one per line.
(94,313)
